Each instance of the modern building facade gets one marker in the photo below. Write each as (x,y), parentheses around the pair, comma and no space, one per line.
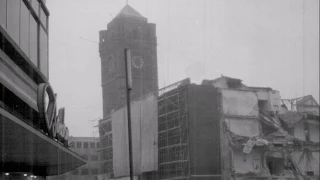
(87,148)
(128,29)
(33,139)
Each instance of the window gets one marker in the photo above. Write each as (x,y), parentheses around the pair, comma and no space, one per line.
(75,172)
(98,145)
(85,172)
(43,17)
(135,33)
(92,145)
(33,41)
(109,127)
(291,131)
(310,173)
(306,130)
(275,165)
(3,13)
(94,171)
(35,6)
(44,52)
(263,105)
(109,153)
(13,18)
(94,158)
(79,145)
(85,145)
(109,140)
(24,29)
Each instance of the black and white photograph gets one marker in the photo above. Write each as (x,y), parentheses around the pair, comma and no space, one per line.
(159,90)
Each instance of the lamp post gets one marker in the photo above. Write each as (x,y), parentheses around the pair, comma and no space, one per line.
(127,56)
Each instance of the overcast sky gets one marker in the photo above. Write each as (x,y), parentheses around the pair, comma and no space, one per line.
(267,43)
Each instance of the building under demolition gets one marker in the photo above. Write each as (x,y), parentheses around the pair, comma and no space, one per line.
(224,129)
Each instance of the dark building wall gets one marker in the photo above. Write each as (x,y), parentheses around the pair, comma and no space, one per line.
(204,133)
(189,133)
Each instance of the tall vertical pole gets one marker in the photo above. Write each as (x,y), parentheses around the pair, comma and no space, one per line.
(128,88)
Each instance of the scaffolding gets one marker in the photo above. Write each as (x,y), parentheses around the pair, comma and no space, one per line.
(173,134)
(174,154)
(106,151)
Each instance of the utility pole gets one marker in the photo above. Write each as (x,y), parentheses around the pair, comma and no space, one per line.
(127,56)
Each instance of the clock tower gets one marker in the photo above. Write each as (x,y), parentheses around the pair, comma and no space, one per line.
(128,29)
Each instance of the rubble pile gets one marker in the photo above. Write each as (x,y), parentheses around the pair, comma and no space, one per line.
(282,155)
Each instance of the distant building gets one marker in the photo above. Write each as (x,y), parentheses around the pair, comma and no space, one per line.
(128,29)
(33,141)
(88,149)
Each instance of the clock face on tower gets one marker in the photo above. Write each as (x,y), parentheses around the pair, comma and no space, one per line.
(137,62)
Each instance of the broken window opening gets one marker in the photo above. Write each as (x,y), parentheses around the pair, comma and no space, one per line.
(267,129)
(310,173)
(234,84)
(275,165)
(263,105)
(306,130)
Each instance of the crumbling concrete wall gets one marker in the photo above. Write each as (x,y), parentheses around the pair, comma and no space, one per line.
(306,161)
(281,156)
(308,109)
(299,131)
(243,127)
(240,113)
(314,130)
(240,103)
(272,97)
(240,109)
(246,163)
(275,100)
(220,83)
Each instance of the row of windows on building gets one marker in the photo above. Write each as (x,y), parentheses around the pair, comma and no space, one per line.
(92,157)
(85,171)
(79,144)
(26,22)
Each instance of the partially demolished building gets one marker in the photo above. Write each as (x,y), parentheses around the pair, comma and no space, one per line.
(265,137)
(223,129)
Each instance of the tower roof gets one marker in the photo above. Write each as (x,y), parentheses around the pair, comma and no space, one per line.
(129,11)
